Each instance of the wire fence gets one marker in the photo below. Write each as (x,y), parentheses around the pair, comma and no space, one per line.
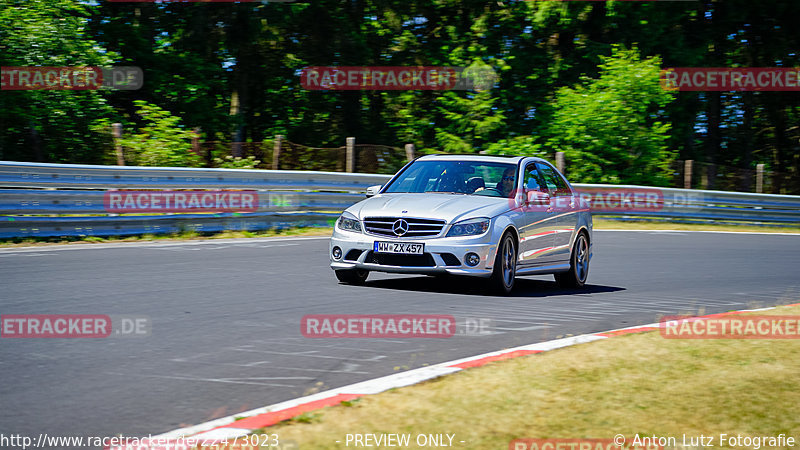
(368,158)
(295,156)
(701,175)
(379,158)
(279,153)
(213,150)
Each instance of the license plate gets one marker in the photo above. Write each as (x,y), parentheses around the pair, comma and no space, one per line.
(406,248)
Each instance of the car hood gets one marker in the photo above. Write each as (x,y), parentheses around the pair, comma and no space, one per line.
(450,207)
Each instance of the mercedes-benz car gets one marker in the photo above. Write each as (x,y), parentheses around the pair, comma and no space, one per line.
(485,216)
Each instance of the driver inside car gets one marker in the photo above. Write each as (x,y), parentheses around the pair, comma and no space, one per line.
(506,184)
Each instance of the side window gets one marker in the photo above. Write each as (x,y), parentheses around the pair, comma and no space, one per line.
(533,179)
(555,184)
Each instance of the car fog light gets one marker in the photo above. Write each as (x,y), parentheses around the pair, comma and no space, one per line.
(472,259)
(337,253)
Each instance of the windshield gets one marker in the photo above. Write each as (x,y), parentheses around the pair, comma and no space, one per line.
(457,177)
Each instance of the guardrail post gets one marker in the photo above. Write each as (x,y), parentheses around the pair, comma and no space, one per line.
(350,164)
(276,152)
(707,176)
(687,174)
(560,161)
(236,145)
(409,152)
(116,133)
(759,178)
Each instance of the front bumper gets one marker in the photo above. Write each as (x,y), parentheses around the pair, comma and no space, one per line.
(440,254)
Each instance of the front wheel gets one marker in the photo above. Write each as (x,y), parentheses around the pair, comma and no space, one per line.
(505,266)
(352,276)
(578,265)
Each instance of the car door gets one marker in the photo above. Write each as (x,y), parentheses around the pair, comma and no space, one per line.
(537,239)
(564,210)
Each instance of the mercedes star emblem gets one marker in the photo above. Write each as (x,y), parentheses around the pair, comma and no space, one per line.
(400,227)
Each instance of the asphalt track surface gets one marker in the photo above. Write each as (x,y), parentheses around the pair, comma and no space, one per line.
(226,320)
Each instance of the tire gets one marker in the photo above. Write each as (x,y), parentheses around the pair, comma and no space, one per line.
(578,265)
(505,266)
(352,276)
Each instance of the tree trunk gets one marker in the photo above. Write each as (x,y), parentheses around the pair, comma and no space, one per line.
(746,181)
(777,115)
(713,143)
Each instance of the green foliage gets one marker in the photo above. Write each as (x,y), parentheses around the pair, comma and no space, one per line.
(307,417)
(518,146)
(351,403)
(161,141)
(50,126)
(233,72)
(469,120)
(229,162)
(612,128)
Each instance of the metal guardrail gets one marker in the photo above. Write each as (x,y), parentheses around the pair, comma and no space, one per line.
(31,201)
(76,176)
(74,198)
(157,224)
(690,204)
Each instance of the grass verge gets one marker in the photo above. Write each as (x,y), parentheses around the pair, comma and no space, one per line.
(185,236)
(634,384)
(606,224)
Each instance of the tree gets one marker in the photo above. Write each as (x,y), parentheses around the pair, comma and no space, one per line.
(519,146)
(232,70)
(160,142)
(52,126)
(612,128)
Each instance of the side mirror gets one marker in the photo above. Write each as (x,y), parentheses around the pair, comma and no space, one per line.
(537,198)
(372,190)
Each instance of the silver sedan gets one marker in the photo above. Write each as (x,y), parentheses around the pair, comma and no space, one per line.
(486,216)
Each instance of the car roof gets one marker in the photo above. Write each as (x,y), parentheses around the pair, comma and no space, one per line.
(482,158)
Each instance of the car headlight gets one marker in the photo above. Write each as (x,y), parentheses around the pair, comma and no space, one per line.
(469,227)
(348,222)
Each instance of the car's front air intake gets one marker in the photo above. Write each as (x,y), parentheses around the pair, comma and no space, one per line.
(391,259)
(403,226)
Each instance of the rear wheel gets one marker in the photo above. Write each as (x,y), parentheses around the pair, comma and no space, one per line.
(578,265)
(505,266)
(352,276)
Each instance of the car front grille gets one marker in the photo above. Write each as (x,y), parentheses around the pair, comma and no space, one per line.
(416,227)
(392,259)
